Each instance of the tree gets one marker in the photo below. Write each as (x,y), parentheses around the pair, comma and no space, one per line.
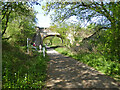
(84,10)
(105,14)
(10,10)
(18,21)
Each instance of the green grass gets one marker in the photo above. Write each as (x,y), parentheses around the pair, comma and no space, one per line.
(96,60)
(20,70)
(64,51)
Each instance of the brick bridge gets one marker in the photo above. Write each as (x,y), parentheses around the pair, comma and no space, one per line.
(42,33)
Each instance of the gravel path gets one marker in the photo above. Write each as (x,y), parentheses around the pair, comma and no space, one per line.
(65,72)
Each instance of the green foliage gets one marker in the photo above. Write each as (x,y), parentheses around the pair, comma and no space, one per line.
(20,70)
(18,22)
(57,41)
(95,60)
(66,30)
(104,15)
(54,41)
(62,28)
(64,51)
(48,41)
(109,11)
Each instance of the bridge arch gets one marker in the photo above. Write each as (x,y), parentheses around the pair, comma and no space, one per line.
(59,36)
(42,33)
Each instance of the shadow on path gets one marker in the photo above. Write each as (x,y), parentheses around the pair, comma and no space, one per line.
(65,72)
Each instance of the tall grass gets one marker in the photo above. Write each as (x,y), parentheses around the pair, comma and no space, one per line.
(20,70)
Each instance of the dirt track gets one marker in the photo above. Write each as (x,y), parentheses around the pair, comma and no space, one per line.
(65,72)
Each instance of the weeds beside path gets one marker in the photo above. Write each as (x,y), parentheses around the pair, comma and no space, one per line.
(65,72)
(20,70)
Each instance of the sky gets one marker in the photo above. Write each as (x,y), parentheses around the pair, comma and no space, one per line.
(44,21)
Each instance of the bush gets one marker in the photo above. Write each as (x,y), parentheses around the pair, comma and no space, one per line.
(20,70)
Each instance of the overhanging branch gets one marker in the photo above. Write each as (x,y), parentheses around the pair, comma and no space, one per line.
(7,20)
(95,33)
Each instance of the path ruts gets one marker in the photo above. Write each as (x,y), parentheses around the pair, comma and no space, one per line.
(65,72)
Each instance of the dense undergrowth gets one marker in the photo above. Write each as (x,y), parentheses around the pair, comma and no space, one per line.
(20,70)
(96,60)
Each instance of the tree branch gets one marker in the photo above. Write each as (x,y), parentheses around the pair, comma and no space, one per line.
(107,13)
(94,33)
(6,10)
(7,38)
(99,10)
(7,17)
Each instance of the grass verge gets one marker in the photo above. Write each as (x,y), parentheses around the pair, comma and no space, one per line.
(96,60)
(20,70)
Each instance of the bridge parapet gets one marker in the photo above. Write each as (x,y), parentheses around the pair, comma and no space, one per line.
(42,33)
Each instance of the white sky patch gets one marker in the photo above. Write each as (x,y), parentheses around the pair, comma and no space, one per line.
(43,21)
(85,23)
(73,19)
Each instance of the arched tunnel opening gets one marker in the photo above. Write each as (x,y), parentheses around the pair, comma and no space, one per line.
(53,41)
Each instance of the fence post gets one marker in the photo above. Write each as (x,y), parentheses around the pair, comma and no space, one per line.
(27,46)
(40,47)
(44,51)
